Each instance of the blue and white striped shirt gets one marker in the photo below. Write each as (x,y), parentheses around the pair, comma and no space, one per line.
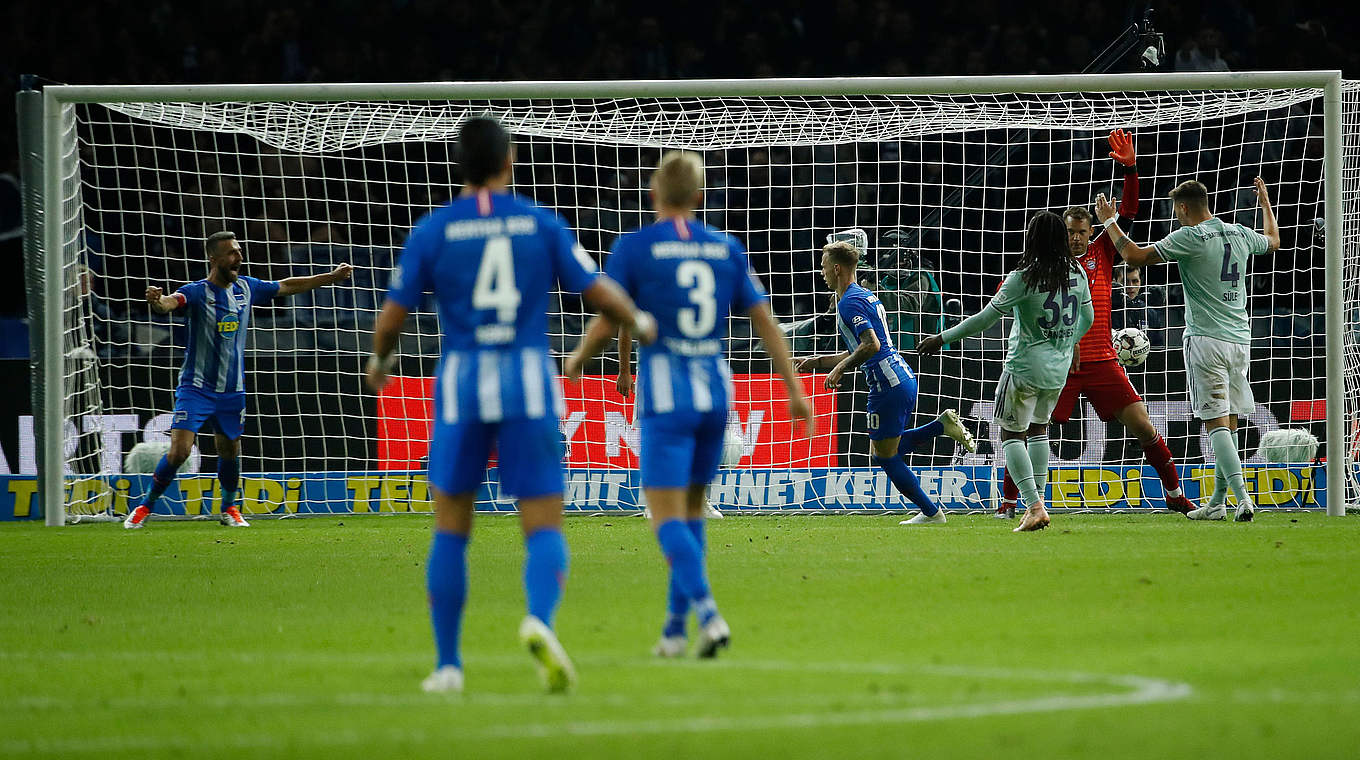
(690,277)
(218,318)
(491,260)
(857,311)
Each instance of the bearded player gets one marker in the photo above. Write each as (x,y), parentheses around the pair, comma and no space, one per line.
(1096,373)
(212,386)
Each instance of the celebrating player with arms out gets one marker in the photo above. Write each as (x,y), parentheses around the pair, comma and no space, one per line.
(1051,302)
(1096,373)
(690,276)
(1213,258)
(892,384)
(492,258)
(212,387)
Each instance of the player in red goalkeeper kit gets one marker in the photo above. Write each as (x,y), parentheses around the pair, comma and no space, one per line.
(1095,372)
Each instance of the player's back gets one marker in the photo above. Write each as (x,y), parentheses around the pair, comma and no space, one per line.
(1213,258)
(491,261)
(690,277)
(858,310)
(1045,328)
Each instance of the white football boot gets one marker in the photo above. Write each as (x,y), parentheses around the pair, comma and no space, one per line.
(445,680)
(711,512)
(1245,512)
(670,646)
(1209,512)
(954,428)
(712,637)
(553,664)
(922,518)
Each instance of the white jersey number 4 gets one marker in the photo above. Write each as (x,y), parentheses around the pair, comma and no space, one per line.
(495,285)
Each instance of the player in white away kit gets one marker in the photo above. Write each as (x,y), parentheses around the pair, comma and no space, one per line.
(491,258)
(1213,258)
(1050,298)
(690,276)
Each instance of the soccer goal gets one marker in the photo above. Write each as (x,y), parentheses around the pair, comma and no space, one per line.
(940,174)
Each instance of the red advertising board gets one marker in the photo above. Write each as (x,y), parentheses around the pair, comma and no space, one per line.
(598,423)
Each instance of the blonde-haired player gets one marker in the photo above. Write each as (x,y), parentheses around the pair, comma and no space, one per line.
(689,276)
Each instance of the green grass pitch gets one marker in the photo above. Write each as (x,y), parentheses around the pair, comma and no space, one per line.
(1101,637)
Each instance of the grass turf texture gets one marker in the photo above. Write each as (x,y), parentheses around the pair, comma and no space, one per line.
(851,637)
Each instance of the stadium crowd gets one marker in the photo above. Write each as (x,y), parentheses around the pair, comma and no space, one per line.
(768,195)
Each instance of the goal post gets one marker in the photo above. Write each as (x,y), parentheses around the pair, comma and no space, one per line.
(573,131)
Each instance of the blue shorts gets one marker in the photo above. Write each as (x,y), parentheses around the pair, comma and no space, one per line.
(680,449)
(195,407)
(890,410)
(529,456)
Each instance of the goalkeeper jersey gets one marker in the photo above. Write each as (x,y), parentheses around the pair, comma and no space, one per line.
(690,277)
(491,261)
(1098,262)
(214,357)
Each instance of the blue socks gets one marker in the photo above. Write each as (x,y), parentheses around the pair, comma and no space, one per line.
(446,582)
(905,481)
(916,436)
(161,479)
(545,572)
(677,604)
(229,477)
(684,552)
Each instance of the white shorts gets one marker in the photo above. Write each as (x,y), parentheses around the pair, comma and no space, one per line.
(1219,384)
(1019,405)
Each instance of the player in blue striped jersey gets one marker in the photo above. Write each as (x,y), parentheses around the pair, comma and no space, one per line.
(892,384)
(689,276)
(212,389)
(492,258)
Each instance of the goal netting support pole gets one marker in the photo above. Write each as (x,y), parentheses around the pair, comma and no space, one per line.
(939,174)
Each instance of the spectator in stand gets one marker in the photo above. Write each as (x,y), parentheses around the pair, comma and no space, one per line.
(1132,305)
(1202,52)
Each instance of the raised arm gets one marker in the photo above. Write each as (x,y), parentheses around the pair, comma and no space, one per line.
(1271,229)
(294,285)
(777,346)
(1121,150)
(160,303)
(1136,255)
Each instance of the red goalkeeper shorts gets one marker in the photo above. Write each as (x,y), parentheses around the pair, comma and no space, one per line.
(1105,385)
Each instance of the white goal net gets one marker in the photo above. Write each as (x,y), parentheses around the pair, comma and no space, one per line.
(942,185)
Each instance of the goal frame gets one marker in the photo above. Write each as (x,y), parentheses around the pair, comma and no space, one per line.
(57,101)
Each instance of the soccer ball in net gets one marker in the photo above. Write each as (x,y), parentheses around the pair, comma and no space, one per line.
(1131,346)
(734,448)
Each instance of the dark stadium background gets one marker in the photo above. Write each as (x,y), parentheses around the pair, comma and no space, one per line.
(250,41)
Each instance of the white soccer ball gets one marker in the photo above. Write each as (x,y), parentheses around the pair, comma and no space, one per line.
(1131,346)
(734,448)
